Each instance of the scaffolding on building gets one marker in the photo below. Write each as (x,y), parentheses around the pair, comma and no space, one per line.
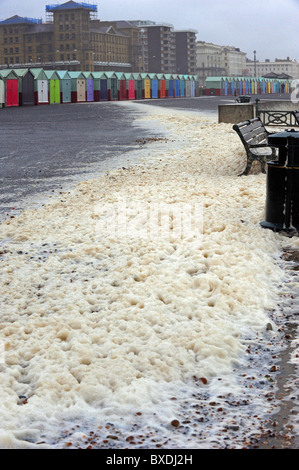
(57,6)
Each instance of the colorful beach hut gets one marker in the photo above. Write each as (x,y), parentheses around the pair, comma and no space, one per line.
(182,85)
(26,87)
(65,86)
(11,84)
(97,85)
(41,88)
(161,85)
(89,86)
(187,86)
(121,85)
(171,86)
(154,85)
(130,86)
(167,77)
(193,86)
(176,86)
(146,85)
(112,86)
(138,85)
(78,91)
(53,86)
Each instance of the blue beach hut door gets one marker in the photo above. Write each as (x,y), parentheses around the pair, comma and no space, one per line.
(104,89)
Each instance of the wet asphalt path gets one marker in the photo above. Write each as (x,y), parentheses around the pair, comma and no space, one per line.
(208,103)
(45,148)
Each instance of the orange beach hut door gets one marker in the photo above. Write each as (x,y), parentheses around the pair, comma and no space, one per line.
(147,88)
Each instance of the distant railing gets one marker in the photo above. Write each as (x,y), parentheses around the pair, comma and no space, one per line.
(275,118)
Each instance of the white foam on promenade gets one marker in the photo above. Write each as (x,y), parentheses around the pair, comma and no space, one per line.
(124,331)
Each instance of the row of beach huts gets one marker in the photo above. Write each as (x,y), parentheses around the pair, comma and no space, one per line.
(35,86)
(222,86)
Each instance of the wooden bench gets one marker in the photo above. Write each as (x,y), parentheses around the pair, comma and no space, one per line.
(254,137)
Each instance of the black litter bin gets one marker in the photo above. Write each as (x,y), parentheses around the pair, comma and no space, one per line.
(244,99)
(282,199)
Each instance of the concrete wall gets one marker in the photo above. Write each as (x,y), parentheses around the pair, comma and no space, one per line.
(277,105)
(234,113)
(239,112)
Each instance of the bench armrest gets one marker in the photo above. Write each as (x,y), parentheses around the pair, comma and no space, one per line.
(260,145)
(273,149)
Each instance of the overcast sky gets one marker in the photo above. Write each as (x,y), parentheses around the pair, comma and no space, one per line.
(268,26)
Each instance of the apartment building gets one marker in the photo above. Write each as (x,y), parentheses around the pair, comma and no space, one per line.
(185,43)
(165,50)
(214,60)
(289,67)
(158,47)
